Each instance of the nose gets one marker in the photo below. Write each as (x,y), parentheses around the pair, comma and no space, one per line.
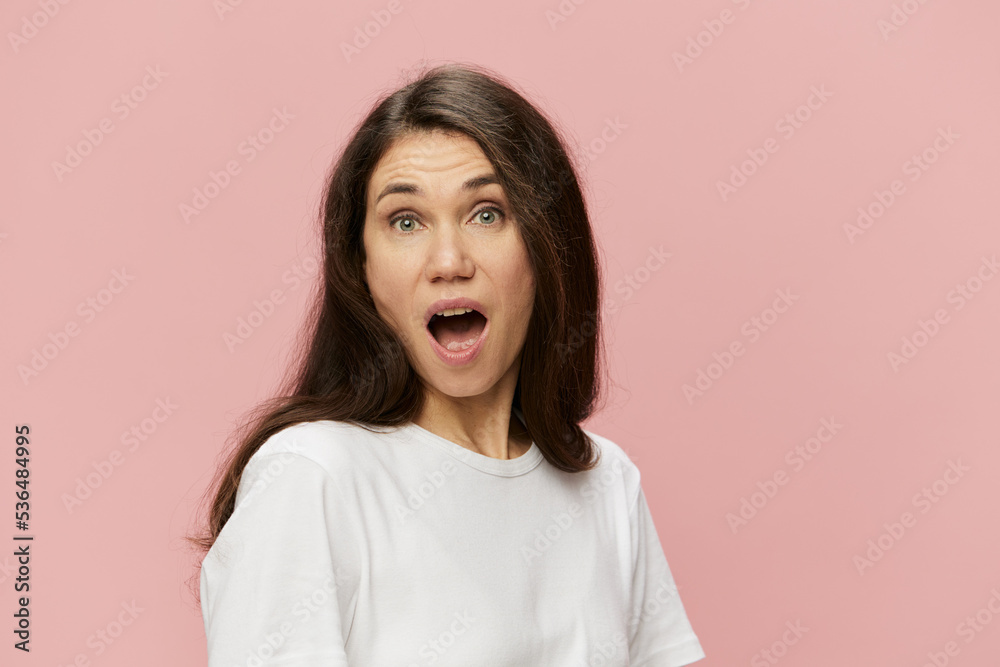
(448,254)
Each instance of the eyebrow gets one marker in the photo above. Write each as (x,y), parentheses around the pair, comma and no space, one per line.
(473,183)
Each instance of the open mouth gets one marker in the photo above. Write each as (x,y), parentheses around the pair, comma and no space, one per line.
(458,329)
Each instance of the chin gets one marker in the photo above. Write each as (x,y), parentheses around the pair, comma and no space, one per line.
(473,385)
(460,389)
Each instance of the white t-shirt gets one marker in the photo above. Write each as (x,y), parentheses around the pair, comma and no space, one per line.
(405,549)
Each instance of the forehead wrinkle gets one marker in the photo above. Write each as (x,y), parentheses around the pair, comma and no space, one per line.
(469,185)
(414,156)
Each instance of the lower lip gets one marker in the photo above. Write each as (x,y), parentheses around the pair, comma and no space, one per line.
(459,358)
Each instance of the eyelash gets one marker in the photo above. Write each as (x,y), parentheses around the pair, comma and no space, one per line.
(488,207)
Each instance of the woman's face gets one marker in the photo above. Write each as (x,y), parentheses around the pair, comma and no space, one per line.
(438,226)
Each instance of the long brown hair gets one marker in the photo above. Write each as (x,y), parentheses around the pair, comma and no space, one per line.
(352,367)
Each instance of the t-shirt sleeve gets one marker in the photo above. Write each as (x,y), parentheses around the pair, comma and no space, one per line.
(269,593)
(660,634)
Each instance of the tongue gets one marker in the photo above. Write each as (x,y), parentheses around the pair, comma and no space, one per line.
(458,332)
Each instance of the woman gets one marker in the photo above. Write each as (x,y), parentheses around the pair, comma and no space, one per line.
(424,494)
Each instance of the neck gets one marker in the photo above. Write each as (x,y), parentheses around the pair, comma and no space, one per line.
(485,424)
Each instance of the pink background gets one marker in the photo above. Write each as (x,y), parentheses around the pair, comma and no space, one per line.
(652,181)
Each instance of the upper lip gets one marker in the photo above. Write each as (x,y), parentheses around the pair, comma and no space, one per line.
(457,302)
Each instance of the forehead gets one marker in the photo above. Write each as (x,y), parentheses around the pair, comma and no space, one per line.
(428,154)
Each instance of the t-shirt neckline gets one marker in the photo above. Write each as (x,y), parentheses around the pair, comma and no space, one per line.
(500,467)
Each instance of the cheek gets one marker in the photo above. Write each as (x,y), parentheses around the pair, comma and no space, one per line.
(526,278)
(520,286)
(390,290)
(377,282)
(378,274)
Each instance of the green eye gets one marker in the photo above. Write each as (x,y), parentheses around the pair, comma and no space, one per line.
(491,213)
(400,218)
(488,215)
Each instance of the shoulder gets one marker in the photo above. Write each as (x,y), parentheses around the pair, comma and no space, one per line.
(612,455)
(334,446)
(309,438)
(614,466)
(312,460)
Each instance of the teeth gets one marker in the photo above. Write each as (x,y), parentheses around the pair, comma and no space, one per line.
(453,311)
